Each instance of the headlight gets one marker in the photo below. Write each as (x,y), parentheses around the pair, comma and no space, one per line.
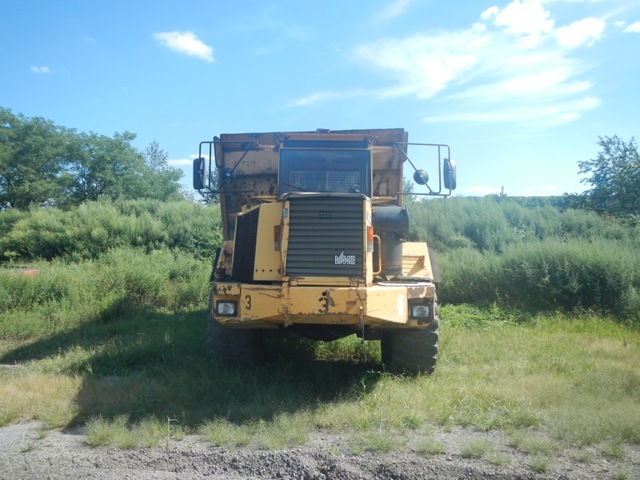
(421,311)
(225,308)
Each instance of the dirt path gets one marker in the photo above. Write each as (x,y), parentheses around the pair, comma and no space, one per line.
(25,453)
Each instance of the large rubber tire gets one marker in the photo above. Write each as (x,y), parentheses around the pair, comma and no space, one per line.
(412,351)
(234,346)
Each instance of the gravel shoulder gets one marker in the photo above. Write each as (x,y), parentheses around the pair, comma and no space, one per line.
(28,452)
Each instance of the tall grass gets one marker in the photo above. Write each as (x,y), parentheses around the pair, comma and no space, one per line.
(492,224)
(538,257)
(119,283)
(96,227)
(547,276)
(511,252)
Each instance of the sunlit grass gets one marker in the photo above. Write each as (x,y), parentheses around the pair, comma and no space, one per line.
(30,395)
(123,434)
(545,382)
(476,449)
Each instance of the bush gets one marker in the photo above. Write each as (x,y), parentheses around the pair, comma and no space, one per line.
(95,227)
(120,283)
(529,254)
(568,275)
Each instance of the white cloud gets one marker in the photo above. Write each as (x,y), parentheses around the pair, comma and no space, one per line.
(509,66)
(395,9)
(527,20)
(485,76)
(483,190)
(40,69)
(319,97)
(542,114)
(424,65)
(633,28)
(489,13)
(179,162)
(582,32)
(187,43)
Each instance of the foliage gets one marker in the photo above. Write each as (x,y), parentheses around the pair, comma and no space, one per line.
(514,252)
(33,161)
(93,228)
(123,281)
(45,164)
(614,177)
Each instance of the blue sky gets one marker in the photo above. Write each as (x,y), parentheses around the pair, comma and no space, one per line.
(521,90)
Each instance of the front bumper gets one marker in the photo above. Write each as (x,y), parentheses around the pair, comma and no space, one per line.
(380,305)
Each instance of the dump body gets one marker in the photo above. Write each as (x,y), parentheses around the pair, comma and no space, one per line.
(314,235)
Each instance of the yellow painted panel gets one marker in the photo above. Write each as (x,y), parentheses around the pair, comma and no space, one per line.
(387,304)
(268,262)
(325,300)
(260,302)
(415,260)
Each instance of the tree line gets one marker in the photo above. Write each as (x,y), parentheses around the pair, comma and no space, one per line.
(44,164)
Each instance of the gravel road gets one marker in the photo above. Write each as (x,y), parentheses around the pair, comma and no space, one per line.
(27,453)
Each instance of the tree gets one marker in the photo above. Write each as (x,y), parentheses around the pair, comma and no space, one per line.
(614,176)
(33,164)
(105,167)
(44,164)
(161,180)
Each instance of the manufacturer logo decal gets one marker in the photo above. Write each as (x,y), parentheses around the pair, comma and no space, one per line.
(343,259)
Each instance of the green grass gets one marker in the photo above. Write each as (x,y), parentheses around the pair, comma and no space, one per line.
(540,464)
(429,447)
(476,449)
(130,366)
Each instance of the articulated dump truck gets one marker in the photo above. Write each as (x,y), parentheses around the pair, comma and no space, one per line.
(314,241)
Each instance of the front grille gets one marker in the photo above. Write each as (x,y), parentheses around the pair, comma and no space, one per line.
(326,237)
(244,252)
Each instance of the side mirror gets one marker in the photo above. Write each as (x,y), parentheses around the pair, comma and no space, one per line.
(198,173)
(449,174)
(420,177)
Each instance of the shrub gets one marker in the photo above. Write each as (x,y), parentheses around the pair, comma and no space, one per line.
(568,275)
(95,227)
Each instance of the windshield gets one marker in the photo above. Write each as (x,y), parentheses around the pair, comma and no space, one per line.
(340,171)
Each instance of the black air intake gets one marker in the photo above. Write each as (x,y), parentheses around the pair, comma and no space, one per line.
(244,253)
(326,236)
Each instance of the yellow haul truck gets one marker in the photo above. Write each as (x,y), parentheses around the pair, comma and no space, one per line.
(314,241)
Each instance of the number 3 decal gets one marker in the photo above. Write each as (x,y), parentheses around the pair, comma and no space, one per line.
(248,304)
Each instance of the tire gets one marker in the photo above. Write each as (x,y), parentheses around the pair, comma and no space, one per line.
(234,346)
(412,351)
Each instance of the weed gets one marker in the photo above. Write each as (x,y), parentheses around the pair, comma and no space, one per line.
(500,459)
(429,447)
(476,449)
(582,456)
(540,464)
(614,451)
(375,441)
(223,433)
(28,448)
(534,445)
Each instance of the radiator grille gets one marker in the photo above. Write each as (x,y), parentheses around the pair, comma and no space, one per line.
(326,237)
(244,253)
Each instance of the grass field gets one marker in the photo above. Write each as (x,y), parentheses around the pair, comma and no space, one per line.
(544,381)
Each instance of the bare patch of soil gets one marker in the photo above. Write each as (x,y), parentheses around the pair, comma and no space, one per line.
(28,452)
